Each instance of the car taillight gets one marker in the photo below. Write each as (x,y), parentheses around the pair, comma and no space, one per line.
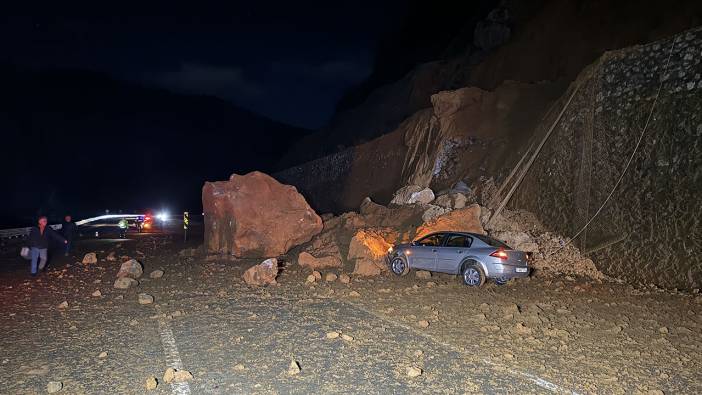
(500,253)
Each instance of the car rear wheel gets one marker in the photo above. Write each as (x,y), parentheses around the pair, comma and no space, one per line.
(473,275)
(399,266)
(501,281)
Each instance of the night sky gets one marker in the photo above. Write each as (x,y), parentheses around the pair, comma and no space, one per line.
(290,61)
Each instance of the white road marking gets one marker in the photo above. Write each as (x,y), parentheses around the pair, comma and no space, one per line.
(172,355)
(531,377)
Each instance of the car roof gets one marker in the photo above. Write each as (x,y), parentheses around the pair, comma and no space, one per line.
(453,232)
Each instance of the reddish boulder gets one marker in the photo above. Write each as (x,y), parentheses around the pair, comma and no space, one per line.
(462,220)
(263,273)
(255,216)
(305,259)
(368,249)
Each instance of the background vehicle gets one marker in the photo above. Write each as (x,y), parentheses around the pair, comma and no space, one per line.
(474,256)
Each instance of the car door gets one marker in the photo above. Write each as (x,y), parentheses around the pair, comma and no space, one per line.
(425,250)
(452,252)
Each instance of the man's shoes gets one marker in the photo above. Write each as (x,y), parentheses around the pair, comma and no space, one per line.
(33,274)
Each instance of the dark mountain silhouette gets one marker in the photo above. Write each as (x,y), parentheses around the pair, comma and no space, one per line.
(61,129)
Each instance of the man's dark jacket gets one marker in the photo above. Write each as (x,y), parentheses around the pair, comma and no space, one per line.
(39,240)
(68,229)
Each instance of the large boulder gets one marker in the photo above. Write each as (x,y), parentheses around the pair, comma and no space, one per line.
(131,268)
(263,273)
(462,220)
(368,249)
(255,216)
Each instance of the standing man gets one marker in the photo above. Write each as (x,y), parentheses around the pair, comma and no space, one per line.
(39,243)
(123,226)
(68,229)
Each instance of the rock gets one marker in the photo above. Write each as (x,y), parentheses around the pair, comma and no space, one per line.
(54,387)
(422,274)
(255,216)
(263,273)
(89,258)
(182,376)
(125,282)
(102,354)
(330,277)
(344,278)
(413,371)
(156,274)
(97,293)
(151,383)
(145,298)
(518,240)
(354,294)
(451,201)
(131,268)
(432,212)
(663,330)
(423,324)
(176,376)
(110,257)
(493,31)
(463,220)
(332,335)
(413,194)
(293,368)
(404,194)
(305,259)
(188,252)
(63,305)
(368,249)
(346,337)
(311,278)
(239,367)
(317,275)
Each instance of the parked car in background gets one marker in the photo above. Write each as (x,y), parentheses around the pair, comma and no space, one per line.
(473,256)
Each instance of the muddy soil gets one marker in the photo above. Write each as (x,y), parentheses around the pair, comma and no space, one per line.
(532,336)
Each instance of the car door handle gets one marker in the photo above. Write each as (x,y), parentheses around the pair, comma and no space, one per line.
(460,252)
(434,250)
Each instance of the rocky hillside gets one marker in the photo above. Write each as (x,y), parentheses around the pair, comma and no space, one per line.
(525,41)
(647,231)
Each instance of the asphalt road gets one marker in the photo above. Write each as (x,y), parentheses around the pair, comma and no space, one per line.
(232,338)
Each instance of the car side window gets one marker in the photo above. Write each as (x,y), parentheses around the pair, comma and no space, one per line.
(431,240)
(459,241)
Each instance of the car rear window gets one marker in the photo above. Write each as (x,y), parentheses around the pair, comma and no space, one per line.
(458,241)
(493,242)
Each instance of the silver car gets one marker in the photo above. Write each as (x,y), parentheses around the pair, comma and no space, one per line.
(474,256)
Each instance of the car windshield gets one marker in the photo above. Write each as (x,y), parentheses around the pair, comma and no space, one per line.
(493,242)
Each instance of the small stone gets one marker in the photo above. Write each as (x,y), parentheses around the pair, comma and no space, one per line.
(294,368)
(663,329)
(182,376)
(63,305)
(310,278)
(168,375)
(423,324)
(239,367)
(346,337)
(422,274)
(330,277)
(344,278)
(354,294)
(413,372)
(102,354)
(151,383)
(332,335)
(89,258)
(156,274)
(317,275)
(54,386)
(125,282)
(145,298)
(418,353)
(97,293)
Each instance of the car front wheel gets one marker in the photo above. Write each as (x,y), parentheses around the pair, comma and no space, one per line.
(473,275)
(399,266)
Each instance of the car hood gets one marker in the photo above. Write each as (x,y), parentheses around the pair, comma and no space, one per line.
(401,246)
